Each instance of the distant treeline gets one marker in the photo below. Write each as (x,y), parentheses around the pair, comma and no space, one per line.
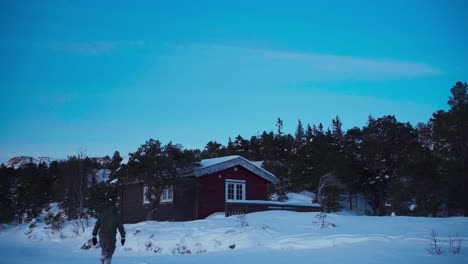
(394,164)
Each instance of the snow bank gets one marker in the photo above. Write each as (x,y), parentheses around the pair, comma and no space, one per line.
(263,237)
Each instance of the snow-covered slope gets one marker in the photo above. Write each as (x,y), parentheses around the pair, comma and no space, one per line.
(17,162)
(264,237)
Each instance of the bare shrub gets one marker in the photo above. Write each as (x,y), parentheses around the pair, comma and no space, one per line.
(242,219)
(321,220)
(76,227)
(181,249)
(32,225)
(79,224)
(434,248)
(455,244)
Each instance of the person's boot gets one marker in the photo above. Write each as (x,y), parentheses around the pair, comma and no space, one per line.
(108,260)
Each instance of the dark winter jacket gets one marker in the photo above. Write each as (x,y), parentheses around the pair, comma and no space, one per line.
(108,223)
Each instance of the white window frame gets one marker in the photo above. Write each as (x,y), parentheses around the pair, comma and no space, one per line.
(167,195)
(235,186)
(146,199)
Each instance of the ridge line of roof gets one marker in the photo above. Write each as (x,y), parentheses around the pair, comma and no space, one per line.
(253,168)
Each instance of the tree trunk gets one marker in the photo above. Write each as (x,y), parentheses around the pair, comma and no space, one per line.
(465,203)
(380,190)
(154,204)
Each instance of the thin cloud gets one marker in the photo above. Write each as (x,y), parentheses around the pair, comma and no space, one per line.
(345,66)
(93,48)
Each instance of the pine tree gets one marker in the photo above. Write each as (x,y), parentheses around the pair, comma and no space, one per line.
(279,126)
(450,145)
(114,165)
(160,166)
(352,173)
(241,146)
(385,148)
(309,134)
(212,150)
(7,211)
(230,149)
(300,134)
(337,132)
(254,151)
(279,161)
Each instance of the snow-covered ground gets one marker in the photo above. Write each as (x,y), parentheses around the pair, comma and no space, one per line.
(265,237)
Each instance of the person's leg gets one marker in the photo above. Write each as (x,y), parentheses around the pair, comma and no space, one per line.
(107,249)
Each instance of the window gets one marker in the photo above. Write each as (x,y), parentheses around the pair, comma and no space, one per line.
(167,195)
(235,190)
(146,199)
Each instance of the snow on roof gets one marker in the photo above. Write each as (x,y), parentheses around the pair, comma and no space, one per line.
(209,166)
(215,161)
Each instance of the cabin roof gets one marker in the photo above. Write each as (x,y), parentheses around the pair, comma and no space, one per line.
(209,166)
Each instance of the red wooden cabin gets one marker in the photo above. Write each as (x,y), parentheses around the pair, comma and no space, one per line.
(204,192)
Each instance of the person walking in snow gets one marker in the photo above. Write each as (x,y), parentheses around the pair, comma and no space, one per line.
(107,224)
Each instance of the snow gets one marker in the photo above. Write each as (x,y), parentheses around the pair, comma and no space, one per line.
(211,162)
(214,161)
(258,163)
(360,205)
(114,181)
(102,175)
(124,160)
(53,208)
(20,161)
(275,202)
(301,199)
(266,237)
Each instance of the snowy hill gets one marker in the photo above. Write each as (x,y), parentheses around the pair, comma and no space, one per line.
(20,161)
(265,237)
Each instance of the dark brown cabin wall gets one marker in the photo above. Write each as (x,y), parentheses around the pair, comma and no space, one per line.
(212,189)
(183,207)
(133,209)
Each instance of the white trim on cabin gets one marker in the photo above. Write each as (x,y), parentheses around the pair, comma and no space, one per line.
(146,199)
(167,195)
(235,190)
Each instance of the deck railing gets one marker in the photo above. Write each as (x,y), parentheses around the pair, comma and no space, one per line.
(245,207)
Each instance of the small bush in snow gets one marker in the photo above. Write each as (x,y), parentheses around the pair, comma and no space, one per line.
(321,220)
(32,225)
(455,244)
(80,225)
(242,219)
(181,249)
(76,228)
(150,247)
(55,221)
(434,248)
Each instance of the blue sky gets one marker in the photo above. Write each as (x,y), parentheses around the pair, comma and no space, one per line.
(108,75)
